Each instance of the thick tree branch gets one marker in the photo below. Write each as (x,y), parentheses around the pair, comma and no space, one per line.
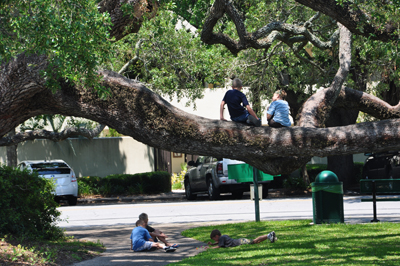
(135,111)
(367,103)
(353,19)
(51,135)
(127,23)
(317,108)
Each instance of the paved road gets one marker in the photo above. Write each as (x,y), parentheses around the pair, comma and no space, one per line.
(215,211)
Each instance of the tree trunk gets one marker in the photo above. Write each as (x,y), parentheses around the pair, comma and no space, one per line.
(343,167)
(12,156)
(304,174)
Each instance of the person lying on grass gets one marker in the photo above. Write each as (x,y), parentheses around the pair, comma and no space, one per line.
(224,241)
(142,241)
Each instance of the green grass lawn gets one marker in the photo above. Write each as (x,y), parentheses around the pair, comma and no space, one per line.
(300,243)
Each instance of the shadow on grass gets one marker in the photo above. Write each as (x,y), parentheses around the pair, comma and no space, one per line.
(300,243)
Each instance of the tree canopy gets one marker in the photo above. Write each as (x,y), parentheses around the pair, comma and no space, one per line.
(56,57)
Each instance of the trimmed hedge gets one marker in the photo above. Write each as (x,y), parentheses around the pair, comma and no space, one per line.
(123,184)
(27,206)
(295,181)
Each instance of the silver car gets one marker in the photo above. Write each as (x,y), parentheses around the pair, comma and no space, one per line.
(60,172)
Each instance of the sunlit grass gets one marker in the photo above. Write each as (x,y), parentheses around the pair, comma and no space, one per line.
(300,243)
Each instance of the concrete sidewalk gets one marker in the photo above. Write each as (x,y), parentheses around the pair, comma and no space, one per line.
(116,240)
(175,195)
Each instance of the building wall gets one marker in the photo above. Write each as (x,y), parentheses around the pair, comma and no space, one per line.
(97,157)
(176,160)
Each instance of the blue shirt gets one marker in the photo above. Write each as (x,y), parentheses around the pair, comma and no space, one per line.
(234,99)
(139,237)
(279,109)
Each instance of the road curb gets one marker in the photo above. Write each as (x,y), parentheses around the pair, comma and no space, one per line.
(179,195)
(172,196)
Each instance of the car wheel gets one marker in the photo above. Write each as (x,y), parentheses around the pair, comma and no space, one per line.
(238,194)
(72,200)
(57,199)
(188,192)
(213,192)
(265,191)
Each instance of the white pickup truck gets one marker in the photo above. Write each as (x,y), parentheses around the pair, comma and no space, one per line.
(210,175)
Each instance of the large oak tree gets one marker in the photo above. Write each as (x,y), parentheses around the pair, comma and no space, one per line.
(36,81)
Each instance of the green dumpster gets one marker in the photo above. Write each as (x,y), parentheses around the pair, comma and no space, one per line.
(244,173)
(327,197)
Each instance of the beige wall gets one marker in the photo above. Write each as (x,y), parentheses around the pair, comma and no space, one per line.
(176,163)
(359,158)
(97,157)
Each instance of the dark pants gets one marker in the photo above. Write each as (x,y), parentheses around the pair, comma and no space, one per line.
(274,124)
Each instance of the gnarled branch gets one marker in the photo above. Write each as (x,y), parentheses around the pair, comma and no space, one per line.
(317,108)
(353,19)
(127,23)
(51,135)
(261,38)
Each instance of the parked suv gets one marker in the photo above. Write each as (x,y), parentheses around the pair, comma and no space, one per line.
(210,175)
(383,165)
(61,172)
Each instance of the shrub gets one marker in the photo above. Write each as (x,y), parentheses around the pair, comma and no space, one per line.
(296,181)
(178,179)
(27,206)
(358,169)
(88,185)
(124,184)
(314,169)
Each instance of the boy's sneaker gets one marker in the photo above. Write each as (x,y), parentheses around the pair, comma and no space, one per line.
(169,249)
(271,236)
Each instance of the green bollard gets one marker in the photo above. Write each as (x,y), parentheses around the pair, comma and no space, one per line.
(256,198)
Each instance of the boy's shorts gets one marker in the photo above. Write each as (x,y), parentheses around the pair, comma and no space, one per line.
(242,118)
(146,246)
(244,241)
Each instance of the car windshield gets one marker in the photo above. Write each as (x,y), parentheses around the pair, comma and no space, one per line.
(48,165)
(51,168)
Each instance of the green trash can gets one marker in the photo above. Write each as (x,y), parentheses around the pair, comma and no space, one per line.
(327,197)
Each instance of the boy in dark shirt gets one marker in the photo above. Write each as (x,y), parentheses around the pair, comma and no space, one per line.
(155,233)
(223,241)
(142,241)
(238,106)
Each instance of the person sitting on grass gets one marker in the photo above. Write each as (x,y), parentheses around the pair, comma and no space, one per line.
(156,234)
(224,241)
(142,241)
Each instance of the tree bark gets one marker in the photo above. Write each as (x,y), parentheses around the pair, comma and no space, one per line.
(12,155)
(317,108)
(353,19)
(342,165)
(124,24)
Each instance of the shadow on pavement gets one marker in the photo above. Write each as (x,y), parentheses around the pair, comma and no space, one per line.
(117,242)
